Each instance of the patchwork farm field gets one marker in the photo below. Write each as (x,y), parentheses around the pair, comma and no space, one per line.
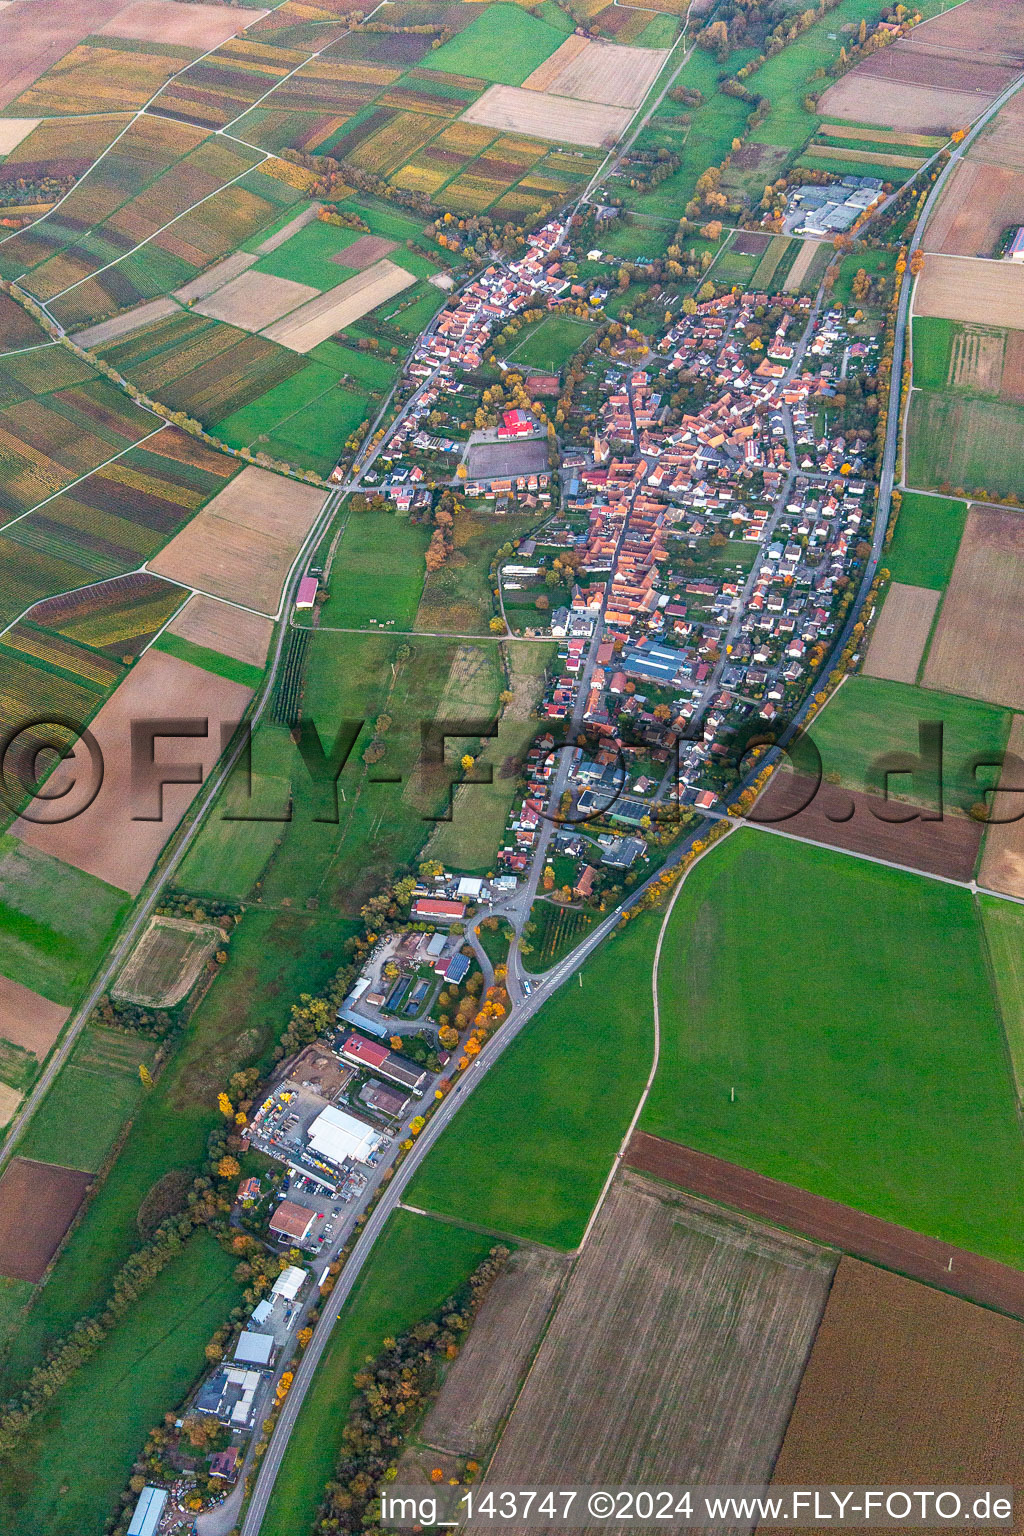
(167,961)
(901,1374)
(663,1268)
(901,633)
(503,44)
(900,1088)
(965,444)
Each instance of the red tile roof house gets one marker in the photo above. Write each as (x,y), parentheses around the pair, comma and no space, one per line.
(436,907)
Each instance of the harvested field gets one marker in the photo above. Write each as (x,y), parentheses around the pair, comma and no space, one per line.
(330,312)
(241,545)
(826,1221)
(38,1202)
(978,647)
(662,1271)
(364,252)
(1002,864)
(985,292)
(1002,142)
(167,962)
(1011,384)
(255,300)
(798,271)
(976,360)
(114,839)
(29,1019)
(747,244)
(10,1099)
(13,130)
(164,21)
(123,325)
(901,633)
(866,98)
(978,203)
(220,627)
(601,72)
(988,29)
(217,277)
(837,818)
(547,117)
(901,1376)
(481,1386)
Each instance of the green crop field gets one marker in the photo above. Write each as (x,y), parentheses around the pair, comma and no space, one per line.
(557,1104)
(965,444)
(55,921)
(211,661)
(927,537)
(377,573)
(869,717)
(817,989)
(305,257)
(76,1458)
(415,1265)
(502,44)
(1003,925)
(94,1094)
(303,421)
(932,350)
(550,344)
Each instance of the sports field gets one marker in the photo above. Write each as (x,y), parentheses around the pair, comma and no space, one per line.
(813,1030)
(551,344)
(414,1266)
(558,1104)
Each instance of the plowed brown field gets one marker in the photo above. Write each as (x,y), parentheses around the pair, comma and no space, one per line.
(38,1202)
(1002,865)
(27,1019)
(905,1382)
(838,818)
(232,631)
(978,203)
(978,648)
(827,1221)
(981,292)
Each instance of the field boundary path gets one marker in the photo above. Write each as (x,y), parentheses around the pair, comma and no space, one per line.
(928,1259)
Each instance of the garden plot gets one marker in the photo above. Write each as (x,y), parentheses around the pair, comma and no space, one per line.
(600,72)
(28,1019)
(240,547)
(327,313)
(638,1340)
(220,627)
(167,962)
(254,300)
(901,633)
(798,271)
(559,118)
(114,839)
(982,292)
(978,647)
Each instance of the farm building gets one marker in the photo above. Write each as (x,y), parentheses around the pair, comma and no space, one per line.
(148,1511)
(337,1136)
(438,907)
(376,1058)
(1015,249)
(254,1348)
(291,1221)
(306,596)
(384,1100)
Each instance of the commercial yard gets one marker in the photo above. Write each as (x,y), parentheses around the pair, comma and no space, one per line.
(849,1074)
(901,1375)
(241,545)
(662,1271)
(978,647)
(901,633)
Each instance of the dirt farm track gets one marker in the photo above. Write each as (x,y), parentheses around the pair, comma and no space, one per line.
(826,1221)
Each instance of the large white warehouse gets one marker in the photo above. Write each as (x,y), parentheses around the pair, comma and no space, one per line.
(336,1135)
